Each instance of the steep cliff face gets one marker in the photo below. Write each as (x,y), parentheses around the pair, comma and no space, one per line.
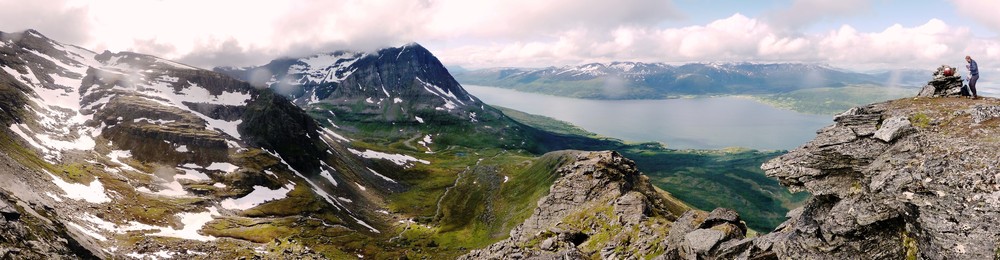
(907,178)
(603,207)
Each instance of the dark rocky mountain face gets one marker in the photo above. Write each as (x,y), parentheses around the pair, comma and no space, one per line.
(637,80)
(405,84)
(129,154)
(402,93)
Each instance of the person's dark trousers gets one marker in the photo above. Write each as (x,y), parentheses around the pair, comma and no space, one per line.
(972,85)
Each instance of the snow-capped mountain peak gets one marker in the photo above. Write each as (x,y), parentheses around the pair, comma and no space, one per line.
(402,83)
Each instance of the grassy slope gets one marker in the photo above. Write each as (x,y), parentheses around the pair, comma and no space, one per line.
(477,207)
(705,179)
(460,200)
(481,208)
(546,123)
(830,101)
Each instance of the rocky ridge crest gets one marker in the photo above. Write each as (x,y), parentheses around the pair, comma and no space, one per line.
(912,177)
(603,207)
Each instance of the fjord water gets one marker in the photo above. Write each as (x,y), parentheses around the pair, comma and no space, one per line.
(694,123)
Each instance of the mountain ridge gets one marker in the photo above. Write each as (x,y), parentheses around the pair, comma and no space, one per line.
(638,80)
(180,152)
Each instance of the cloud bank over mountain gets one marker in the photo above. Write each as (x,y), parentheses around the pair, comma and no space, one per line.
(521,32)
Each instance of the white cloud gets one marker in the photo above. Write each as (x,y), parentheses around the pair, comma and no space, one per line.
(931,43)
(740,38)
(983,11)
(531,18)
(55,18)
(735,38)
(236,32)
(806,12)
(492,33)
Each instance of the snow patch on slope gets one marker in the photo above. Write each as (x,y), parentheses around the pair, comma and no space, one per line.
(259,195)
(326,173)
(165,94)
(93,192)
(398,159)
(448,97)
(381,176)
(192,223)
(323,68)
(222,166)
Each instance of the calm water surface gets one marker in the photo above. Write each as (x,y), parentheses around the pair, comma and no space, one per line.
(698,123)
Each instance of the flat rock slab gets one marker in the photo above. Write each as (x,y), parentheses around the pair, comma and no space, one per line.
(703,240)
(893,128)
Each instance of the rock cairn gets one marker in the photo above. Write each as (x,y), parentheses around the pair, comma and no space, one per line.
(943,85)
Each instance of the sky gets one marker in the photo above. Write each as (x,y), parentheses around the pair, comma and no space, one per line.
(852,34)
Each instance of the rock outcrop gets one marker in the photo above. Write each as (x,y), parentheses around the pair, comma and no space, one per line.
(943,85)
(25,233)
(700,235)
(602,207)
(907,178)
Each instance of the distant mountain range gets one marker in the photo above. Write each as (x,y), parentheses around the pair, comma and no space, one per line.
(637,80)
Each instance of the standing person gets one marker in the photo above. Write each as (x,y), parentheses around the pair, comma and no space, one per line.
(974,71)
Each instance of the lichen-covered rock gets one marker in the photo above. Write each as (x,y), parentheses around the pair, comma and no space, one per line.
(702,241)
(982,113)
(701,235)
